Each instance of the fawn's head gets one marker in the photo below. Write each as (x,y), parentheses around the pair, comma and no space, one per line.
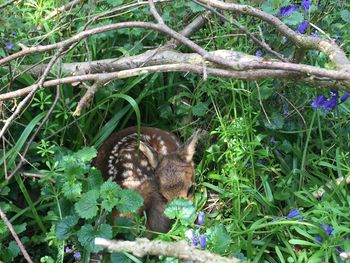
(174,172)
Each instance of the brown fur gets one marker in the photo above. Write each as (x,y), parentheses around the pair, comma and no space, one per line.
(160,169)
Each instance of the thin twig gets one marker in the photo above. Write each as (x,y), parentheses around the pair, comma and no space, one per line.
(15,236)
(8,3)
(154,12)
(21,162)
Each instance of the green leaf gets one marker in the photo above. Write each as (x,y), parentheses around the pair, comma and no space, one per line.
(294,19)
(276,121)
(65,226)
(86,154)
(13,248)
(130,201)
(110,193)
(86,207)
(219,238)
(181,209)
(345,15)
(119,258)
(265,92)
(72,190)
(199,109)
(5,190)
(195,8)
(87,234)
(94,179)
(115,2)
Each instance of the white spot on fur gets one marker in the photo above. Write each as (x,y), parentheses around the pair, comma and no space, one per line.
(128,165)
(144,163)
(133,184)
(127,173)
(127,156)
(163,150)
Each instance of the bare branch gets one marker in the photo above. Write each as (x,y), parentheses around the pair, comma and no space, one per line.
(154,12)
(87,96)
(15,236)
(180,249)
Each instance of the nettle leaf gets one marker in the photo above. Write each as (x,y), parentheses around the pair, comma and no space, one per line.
(86,207)
(293,19)
(181,209)
(86,154)
(73,168)
(65,226)
(130,201)
(87,234)
(276,121)
(110,193)
(94,179)
(218,238)
(200,109)
(72,190)
(345,15)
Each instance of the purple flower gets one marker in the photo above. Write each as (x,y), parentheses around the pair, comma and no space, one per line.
(191,235)
(344,97)
(303,27)
(13,33)
(77,255)
(317,103)
(203,241)
(68,249)
(293,213)
(287,10)
(330,104)
(9,45)
(318,239)
(200,219)
(259,53)
(306,4)
(328,229)
(315,34)
(300,219)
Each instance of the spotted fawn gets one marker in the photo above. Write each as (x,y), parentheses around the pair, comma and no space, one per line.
(160,168)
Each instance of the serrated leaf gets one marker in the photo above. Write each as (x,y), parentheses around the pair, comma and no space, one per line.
(94,179)
(86,154)
(345,15)
(181,209)
(65,226)
(87,234)
(130,201)
(86,207)
(110,193)
(199,109)
(293,19)
(219,238)
(72,190)
(119,258)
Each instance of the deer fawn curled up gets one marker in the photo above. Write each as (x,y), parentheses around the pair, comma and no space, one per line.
(160,169)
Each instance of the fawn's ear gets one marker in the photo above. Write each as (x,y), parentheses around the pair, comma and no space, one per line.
(150,154)
(187,150)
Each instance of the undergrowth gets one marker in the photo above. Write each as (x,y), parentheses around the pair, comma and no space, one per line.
(267,153)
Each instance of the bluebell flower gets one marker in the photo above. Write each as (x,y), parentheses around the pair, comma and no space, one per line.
(200,219)
(259,53)
(68,249)
(330,104)
(318,239)
(203,241)
(315,34)
(77,255)
(303,27)
(9,45)
(293,213)
(191,236)
(287,10)
(328,229)
(317,103)
(306,4)
(344,97)
(300,219)
(13,33)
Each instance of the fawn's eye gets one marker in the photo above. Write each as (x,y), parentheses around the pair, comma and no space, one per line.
(190,190)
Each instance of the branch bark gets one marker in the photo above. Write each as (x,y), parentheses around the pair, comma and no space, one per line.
(142,247)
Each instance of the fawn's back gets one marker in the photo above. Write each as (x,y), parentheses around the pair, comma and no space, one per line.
(160,168)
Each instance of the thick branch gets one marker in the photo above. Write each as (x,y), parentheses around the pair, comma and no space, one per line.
(142,247)
(335,53)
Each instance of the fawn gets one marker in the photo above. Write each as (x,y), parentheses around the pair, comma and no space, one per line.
(160,169)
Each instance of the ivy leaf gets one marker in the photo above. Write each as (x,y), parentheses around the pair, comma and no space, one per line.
(86,154)
(181,209)
(219,238)
(86,207)
(72,190)
(65,226)
(110,193)
(130,201)
(87,234)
